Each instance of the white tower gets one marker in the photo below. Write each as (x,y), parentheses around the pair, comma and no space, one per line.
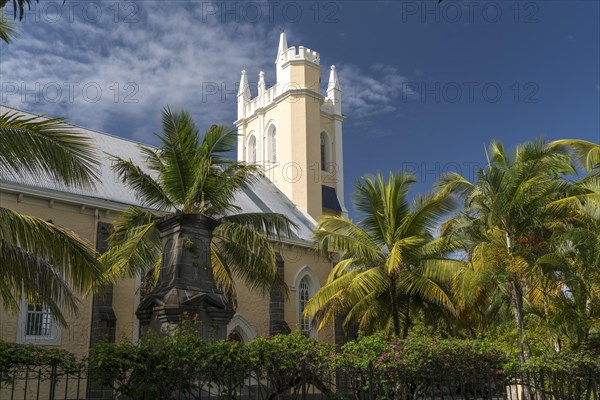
(295,132)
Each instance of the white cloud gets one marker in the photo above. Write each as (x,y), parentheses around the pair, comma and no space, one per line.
(114,72)
(376,91)
(168,57)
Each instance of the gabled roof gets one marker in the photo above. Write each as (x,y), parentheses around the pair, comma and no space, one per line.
(262,196)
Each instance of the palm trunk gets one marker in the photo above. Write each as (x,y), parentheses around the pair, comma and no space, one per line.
(395,311)
(517,305)
(406,319)
(588,316)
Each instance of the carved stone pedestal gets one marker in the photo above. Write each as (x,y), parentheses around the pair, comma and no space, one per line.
(186,289)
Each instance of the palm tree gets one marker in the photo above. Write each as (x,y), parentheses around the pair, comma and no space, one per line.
(390,261)
(576,258)
(188,175)
(507,222)
(39,260)
(576,247)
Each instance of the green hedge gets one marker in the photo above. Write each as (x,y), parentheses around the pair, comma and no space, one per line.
(419,357)
(17,356)
(160,366)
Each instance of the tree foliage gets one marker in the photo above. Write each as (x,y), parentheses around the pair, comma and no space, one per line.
(189,173)
(40,261)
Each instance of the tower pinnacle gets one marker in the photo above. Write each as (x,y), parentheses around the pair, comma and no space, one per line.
(334,91)
(243,95)
(283,46)
(244,90)
(333,84)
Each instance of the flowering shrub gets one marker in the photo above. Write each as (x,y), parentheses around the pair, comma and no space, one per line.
(399,368)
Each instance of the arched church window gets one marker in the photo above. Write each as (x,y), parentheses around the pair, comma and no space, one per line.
(303,297)
(272,144)
(251,149)
(324,152)
(235,336)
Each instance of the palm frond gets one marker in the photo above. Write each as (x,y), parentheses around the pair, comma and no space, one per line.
(146,188)
(25,275)
(269,224)
(586,153)
(134,245)
(334,233)
(43,258)
(8,33)
(46,149)
(248,255)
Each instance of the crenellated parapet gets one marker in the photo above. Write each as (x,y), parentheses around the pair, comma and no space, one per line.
(301,54)
(248,106)
(297,69)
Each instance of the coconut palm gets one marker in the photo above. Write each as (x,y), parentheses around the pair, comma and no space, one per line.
(509,216)
(390,262)
(576,258)
(39,260)
(576,248)
(189,174)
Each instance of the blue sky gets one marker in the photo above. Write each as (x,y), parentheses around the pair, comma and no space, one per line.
(425,86)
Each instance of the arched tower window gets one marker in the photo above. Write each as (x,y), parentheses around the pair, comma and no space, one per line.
(325,153)
(251,150)
(303,297)
(272,144)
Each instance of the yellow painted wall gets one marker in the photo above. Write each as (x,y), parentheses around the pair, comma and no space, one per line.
(252,305)
(76,336)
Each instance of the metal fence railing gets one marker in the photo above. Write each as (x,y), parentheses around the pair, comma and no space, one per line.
(53,383)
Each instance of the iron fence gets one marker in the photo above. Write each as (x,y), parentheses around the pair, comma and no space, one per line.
(54,383)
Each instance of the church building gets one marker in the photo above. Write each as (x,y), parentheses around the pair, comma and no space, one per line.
(291,129)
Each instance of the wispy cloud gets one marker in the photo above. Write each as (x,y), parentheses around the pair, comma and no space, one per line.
(114,75)
(373,92)
(111,66)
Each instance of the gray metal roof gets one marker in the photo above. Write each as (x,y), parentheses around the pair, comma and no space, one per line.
(262,196)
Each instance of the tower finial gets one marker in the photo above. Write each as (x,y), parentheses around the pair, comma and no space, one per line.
(334,91)
(261,85)
(334,83)
(283,46)
(244,89)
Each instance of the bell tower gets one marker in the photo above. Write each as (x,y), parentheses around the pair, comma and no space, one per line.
(294,131)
